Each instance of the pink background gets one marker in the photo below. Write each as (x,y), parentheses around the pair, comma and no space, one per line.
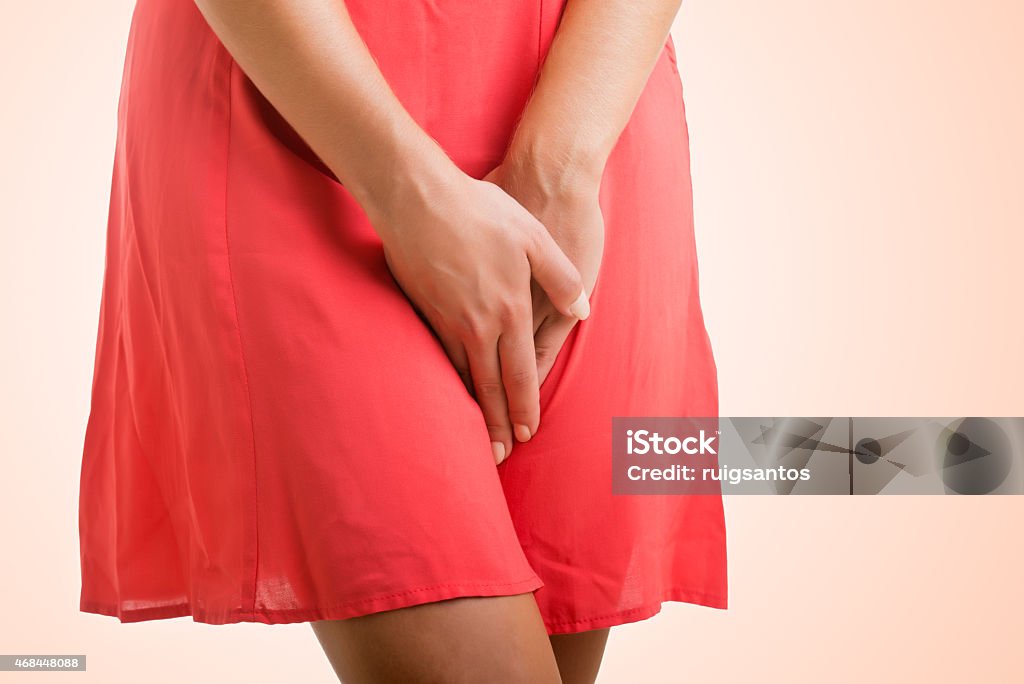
(857,174)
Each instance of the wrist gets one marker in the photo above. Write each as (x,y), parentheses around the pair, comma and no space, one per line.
(407,172)
(556,167)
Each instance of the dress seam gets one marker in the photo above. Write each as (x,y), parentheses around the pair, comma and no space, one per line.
(238,329)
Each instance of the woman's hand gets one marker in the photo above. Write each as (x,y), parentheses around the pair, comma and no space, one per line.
(465,253)
(592,76)
(570,211)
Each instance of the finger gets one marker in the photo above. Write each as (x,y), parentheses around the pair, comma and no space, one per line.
(557,275)
(548,341)
(519,375)
(457,355)
(489,391)
(541,305)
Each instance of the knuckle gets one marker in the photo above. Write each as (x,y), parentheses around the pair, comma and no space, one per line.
(519,378)
(537,247)
(544,354)
(510,311)
(488,388)
(498,432)
(473,328)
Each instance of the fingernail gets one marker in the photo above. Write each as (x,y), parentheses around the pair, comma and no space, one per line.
(499,452)
(581,307)
(523,433)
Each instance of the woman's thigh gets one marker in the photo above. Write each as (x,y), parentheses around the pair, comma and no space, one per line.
(579,655)
(495,639)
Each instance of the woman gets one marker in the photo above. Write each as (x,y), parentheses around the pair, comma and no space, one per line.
(359,253)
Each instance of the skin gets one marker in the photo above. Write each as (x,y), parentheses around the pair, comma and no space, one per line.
(579,655)
(500,267)
(469,640)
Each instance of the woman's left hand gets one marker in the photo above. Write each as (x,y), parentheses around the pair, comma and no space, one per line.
(570,211)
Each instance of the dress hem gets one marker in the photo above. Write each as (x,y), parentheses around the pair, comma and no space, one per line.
(644,612)
(396,601)
(375,604)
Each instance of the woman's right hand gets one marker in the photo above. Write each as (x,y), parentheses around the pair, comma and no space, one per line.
(464,253)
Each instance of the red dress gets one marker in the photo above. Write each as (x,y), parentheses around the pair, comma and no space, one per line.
(275,436)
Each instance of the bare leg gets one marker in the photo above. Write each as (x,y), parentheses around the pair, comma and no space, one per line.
(579,655)
(500,640)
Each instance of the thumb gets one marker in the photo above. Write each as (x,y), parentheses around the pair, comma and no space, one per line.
(557,276)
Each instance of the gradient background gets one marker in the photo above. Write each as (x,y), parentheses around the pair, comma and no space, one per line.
(858,173)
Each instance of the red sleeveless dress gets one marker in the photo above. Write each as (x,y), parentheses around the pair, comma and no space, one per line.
(274,434)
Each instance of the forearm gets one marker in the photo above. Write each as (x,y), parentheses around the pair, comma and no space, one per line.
(596,68)
(309,61)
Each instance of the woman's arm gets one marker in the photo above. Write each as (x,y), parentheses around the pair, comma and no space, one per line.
(309,61)
(598,64)
(596,68)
